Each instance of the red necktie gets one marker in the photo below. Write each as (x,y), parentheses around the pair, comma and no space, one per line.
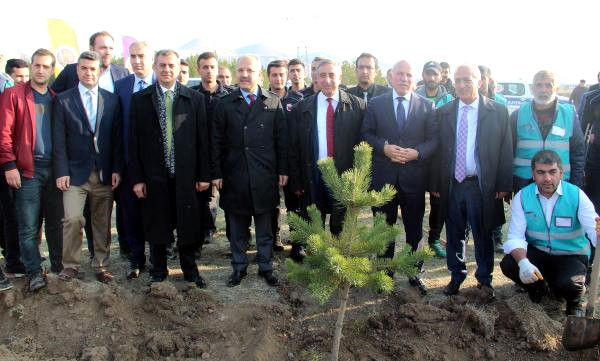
(252,99)
(329,118)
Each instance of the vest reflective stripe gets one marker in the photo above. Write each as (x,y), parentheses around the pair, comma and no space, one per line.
(564,240)
(529,138)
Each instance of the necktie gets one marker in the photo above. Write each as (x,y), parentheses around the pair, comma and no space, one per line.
(460,170)
(91,111)
(329,128)
(400,114)
(252,99)
(141,85)
(169,109)
(366,96)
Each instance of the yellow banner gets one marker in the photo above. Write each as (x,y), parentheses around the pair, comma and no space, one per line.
(63,43)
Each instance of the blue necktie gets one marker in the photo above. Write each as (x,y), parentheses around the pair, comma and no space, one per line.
(400,114)
(141,85)
(91,111)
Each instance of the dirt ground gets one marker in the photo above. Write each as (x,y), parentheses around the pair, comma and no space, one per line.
(130,321)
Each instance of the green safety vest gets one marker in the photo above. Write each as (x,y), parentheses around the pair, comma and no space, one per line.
(529,138)
(565,236)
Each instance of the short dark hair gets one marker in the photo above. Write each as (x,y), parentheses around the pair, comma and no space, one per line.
(15,63)
(182,61)
(367,55)
(44,52)
(205,56)
(282,63)
(97,34)
(296,62)
(444,65)
(89,55)
(547,157)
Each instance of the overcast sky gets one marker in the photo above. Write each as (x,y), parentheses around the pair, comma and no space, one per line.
(515,38)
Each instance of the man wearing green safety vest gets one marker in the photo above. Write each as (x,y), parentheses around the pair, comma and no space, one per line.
(545,123)
(547,245)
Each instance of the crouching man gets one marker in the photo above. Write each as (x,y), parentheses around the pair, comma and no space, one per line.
(546,245)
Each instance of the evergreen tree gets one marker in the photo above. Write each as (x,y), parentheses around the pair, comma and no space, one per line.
(338,263)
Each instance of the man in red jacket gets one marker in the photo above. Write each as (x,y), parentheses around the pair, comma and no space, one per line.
(26,157)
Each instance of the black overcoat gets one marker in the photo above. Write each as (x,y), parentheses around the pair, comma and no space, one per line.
(147,163)
(249,152)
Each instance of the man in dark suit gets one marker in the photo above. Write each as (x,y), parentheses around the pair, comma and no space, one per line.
(87,160)
(103,43)
(472,174)
(140,56)
(401,128)
(169,165)
(326,124)
(249,163)
(366,70)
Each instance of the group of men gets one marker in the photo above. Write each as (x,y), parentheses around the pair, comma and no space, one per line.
(163,151)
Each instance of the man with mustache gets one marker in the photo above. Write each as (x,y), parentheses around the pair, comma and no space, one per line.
(545,123)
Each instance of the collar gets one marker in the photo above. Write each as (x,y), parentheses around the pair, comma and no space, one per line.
(148,79)
(559,190)
(474,105)
(83,90)
(407,96)
(245,93)
(323,98)
(164,90)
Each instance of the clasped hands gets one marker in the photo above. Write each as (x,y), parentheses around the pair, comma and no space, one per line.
(400,155)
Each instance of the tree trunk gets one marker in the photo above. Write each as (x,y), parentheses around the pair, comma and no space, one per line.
(335,350)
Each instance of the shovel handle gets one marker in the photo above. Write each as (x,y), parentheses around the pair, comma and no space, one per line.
(591,303)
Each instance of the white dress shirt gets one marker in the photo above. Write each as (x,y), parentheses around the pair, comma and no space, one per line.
(518,223)
(106,81)
(322,105)
(405,103)
(471,133)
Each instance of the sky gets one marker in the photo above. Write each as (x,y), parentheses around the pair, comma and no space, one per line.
(515,38)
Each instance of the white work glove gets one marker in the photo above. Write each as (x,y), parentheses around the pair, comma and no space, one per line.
(528,273)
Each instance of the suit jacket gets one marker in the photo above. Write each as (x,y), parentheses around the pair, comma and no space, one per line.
(347,122)
(18,128)
(68,79)
(373,91)
(76,147)
(147,163)
(124,90)
(249,151)
(420,133)
(493,156)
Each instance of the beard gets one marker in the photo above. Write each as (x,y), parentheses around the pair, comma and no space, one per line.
(544,99)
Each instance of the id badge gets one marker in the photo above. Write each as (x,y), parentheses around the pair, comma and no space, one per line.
(563,221)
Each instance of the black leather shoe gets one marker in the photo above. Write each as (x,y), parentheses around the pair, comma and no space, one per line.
(297,254)
(133,272)
(486,292)
(156,279)
(452,287)
(269,277)
(236,278)
(417,283)
(200,283)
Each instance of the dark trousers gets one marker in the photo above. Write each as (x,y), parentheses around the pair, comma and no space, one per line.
(187,260)
(436,221)
(412,206)
(275,222)
(39,195)
(466,207)
(565,275)
(238,228)
(132,223)
(9,235)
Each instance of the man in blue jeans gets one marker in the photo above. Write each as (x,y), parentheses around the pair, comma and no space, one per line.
(26,157)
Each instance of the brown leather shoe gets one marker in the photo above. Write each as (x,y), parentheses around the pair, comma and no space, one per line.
(104,277)
(67,274)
